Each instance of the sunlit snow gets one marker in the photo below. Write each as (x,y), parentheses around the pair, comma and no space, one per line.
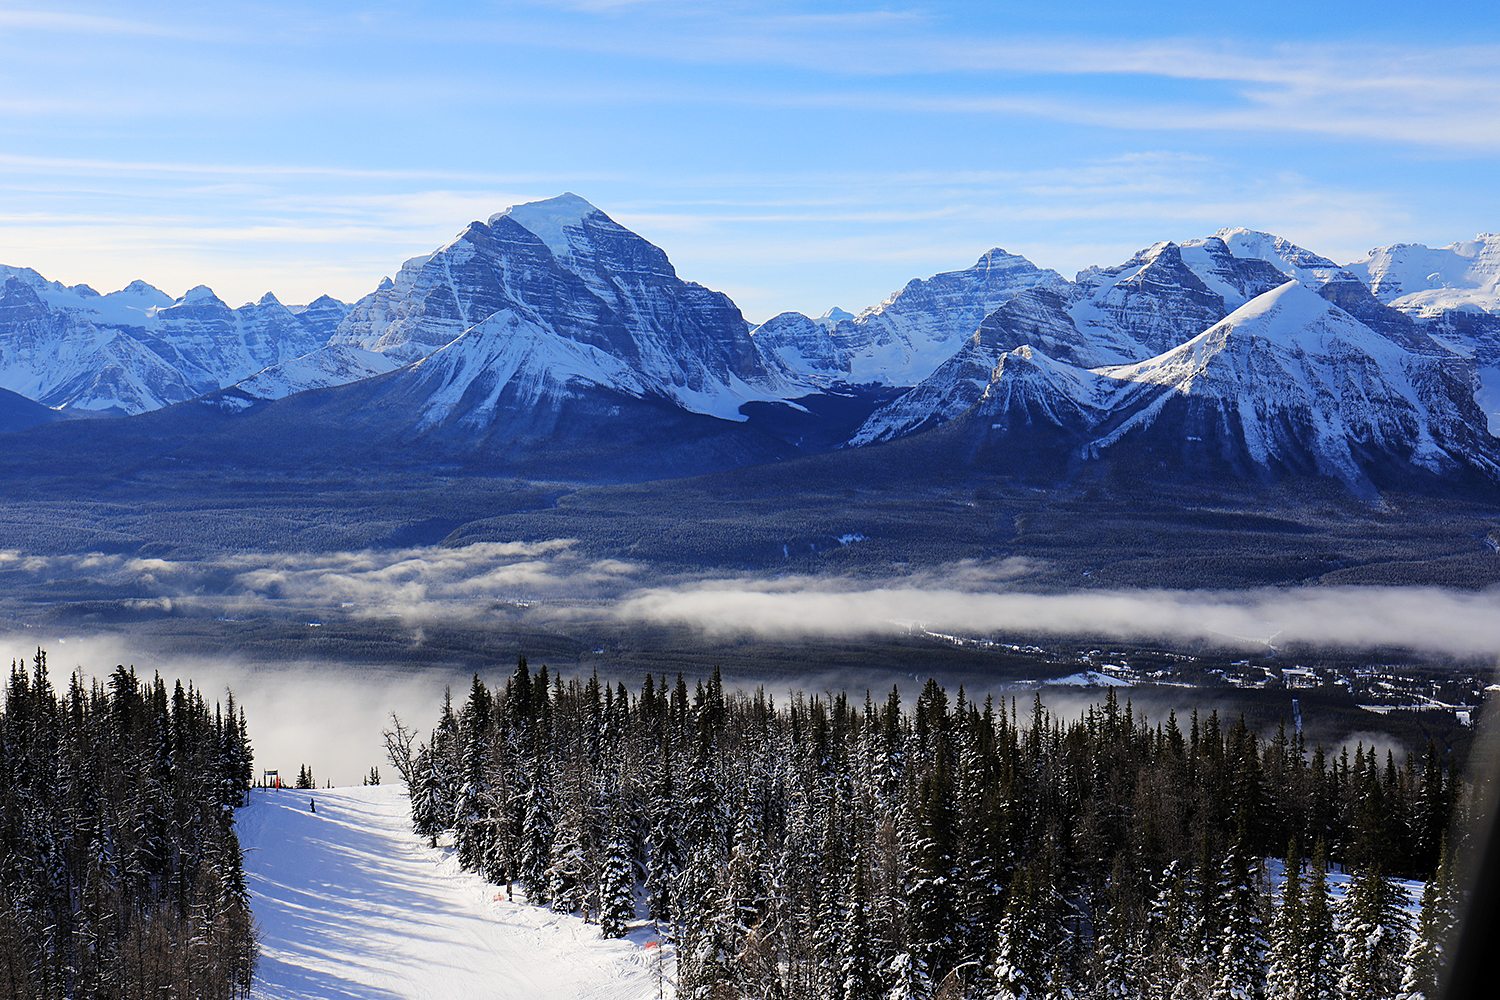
(351,904)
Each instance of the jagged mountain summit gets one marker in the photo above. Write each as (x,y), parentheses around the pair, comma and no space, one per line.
(138,349)
(1289,383)
(903,339)
(549,339)
(586,291)
(1162,297)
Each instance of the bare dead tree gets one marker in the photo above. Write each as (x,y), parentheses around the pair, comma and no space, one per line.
(398,741)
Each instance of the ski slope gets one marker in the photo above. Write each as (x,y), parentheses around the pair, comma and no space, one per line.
(352,906)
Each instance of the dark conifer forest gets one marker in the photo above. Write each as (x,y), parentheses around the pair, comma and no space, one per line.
(120,873)
(861,848)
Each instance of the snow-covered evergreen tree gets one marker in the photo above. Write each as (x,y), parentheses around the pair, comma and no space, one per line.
(1284,951)
(907,978)
(1318,970)
(664,867)
(427,797)
(1372,930)
(473,806)
(1423,963)
(616,884)
(1239,972)
(565,876)
(536,838)
(1118,958)
(1023,953)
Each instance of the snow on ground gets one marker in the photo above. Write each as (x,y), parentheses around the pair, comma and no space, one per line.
(352,906)
(1088,678)
(1338,884)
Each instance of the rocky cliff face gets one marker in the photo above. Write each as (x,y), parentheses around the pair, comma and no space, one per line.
(903,339)
(578,281)
(1287,383)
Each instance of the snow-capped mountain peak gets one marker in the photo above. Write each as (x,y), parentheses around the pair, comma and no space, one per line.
(1425,282)
(1286,256)
(199,293)
(550,219)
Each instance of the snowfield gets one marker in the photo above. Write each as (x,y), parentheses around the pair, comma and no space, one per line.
(351,904)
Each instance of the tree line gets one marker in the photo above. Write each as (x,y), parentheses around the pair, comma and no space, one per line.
(828,848)
(120,873)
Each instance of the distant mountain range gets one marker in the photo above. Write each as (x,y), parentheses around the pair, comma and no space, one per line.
(551,340)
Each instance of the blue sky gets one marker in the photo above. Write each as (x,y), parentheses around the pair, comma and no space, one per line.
(794,155)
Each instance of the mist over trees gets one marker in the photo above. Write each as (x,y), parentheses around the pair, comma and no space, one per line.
(120,873)
(828,847)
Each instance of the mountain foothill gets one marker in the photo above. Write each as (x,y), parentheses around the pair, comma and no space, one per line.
(549,341)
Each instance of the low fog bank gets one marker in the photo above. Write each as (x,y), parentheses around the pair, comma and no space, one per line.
(558,580)
(1425,619)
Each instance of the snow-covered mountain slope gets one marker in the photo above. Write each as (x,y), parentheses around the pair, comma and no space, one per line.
(1453,294)
(1147,304)
(804,345)
(508,368)
(1338,285)
(1037,317)
(1289,382)
(1425,282)
(349,903)
(567,270)
(137,349)
(903,339)
(319,369)
(1162,296)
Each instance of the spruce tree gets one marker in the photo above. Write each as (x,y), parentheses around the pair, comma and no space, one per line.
(1022,952)
(426,803)
(1284,954)
(907,979)
(1240,943)
(1318,971)
(536,838)
(1117,958)
(616,884)
(1167,933)
(1372,930)
(664,866)
(1423,962)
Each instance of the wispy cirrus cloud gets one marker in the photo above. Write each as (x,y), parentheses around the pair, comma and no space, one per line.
(13,19)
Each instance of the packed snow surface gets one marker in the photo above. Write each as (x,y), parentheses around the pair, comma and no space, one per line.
(351,904)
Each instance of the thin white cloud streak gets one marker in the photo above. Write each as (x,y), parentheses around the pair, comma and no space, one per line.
(107,166)
(1445,97)
(89,24)
(1427,619)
